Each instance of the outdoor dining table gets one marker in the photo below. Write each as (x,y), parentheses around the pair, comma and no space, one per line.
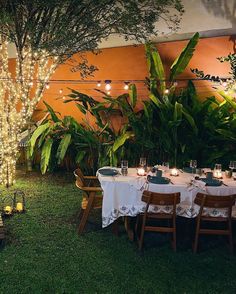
(122,195)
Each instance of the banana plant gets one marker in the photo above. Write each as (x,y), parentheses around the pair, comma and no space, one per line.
(170,113)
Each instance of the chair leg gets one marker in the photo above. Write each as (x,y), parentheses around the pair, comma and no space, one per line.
(174,237)
(140,241)
(196,236)
(86,213)
(231,246)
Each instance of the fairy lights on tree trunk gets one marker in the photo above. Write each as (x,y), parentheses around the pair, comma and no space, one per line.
(20,91)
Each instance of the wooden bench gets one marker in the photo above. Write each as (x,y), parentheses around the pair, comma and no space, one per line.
(2,235)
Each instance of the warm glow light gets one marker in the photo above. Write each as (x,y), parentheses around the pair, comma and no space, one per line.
(18,100)
(108,85)
(60,91)
(126,86)
(167,91)
(174,172)
(99,84)
(141,171)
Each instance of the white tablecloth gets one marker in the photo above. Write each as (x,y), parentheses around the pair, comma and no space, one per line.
(122,195)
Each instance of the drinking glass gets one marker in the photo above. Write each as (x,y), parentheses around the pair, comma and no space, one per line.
(218,167)
(166,167)
(124,167)
(142,161)
(193,164)
(232,165)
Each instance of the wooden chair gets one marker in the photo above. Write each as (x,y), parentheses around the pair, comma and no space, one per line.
(92,196)
(152,198)
(219,202)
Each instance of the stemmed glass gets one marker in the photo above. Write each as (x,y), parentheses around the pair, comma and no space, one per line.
(166,166)
(232,165)
(143,161)
(193,164)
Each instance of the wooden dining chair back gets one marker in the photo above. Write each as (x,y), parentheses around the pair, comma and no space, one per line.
(92,196)
(160,199)
(205,201)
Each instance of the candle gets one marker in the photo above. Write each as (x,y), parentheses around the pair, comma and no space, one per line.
(19,207)
(141,171)
(174,172)
(217,174)
(8,209)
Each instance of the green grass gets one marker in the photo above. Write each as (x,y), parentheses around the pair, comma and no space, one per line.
(44,254)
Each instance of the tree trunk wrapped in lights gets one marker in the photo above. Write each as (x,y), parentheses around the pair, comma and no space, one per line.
(19,94)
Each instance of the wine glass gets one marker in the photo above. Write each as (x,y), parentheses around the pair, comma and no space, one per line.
(143,161)
(232,165)
(166,167)
(193,164)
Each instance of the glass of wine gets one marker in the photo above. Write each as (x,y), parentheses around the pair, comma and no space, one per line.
(143,161)
(193,164)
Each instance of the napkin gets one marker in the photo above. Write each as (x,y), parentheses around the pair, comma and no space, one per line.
(197,184)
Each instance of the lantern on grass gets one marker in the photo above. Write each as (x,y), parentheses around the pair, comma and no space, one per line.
(19,201)
(7,206)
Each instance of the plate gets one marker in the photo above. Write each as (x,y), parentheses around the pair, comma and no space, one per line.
(108,172)
(158,180)
(211,182)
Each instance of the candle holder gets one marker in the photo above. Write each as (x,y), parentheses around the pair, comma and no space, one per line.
(174,172)
(217,174)
(7,206)
(19,201)
(141,171)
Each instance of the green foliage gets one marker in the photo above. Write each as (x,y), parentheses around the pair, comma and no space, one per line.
(174,125)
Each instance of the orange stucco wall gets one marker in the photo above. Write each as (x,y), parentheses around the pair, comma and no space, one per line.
(128,63)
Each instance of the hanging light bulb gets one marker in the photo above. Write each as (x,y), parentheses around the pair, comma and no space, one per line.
(99,84)
(47,86)
(108,92)
(60,91)
(126,86)
(108,85)
(224,84)
(167,91)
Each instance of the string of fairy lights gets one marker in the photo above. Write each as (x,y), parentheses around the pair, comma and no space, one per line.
(17,102)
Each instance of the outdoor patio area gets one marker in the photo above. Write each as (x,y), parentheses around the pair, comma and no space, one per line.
(117,146)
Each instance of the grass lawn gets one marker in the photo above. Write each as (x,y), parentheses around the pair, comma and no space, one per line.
(44,254)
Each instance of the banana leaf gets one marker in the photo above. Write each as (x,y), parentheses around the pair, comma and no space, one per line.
(62,148)
(159,69)
(183,59)
(133,95)
(35,136)
(120,141)
(229,99)
(52,112)
(79,156)
(45,155)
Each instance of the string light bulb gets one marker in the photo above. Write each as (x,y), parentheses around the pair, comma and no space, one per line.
(99,84)
(108,85)
(126,86)
(60,91)
(167,91)
(47,86)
